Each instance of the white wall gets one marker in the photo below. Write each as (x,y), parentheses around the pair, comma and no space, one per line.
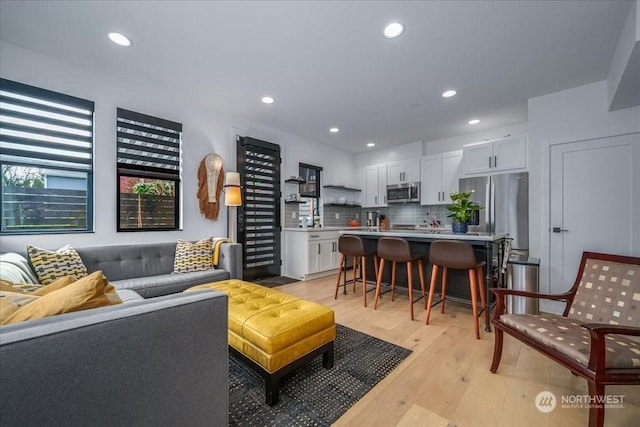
(571,115)
(204,131)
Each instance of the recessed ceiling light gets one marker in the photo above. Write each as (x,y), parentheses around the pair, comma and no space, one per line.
(393,30)
(449,94)
(334,130)
(120,39)
(268,100)
(474,122)
(371,144)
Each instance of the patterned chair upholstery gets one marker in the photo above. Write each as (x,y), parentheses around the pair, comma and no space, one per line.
(598,335)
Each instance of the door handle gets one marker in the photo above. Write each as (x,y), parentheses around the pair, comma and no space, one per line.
(559,230)
(495,161)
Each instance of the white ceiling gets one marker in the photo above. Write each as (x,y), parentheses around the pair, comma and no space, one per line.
(327,64)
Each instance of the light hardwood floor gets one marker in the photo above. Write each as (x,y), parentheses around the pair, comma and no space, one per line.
(446,380)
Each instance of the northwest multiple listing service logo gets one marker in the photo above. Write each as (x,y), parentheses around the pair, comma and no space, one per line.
(546,401)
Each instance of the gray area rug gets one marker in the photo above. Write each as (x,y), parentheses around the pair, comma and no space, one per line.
(312,395)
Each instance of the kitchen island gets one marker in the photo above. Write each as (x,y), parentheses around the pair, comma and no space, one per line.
(488,247)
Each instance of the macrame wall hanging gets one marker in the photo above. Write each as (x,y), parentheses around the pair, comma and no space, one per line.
(210,183)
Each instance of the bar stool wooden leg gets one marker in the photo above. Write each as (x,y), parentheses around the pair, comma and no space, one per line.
(410,284)
(340,269)
(421,273)
(363,266)
(483,297)
(432,288)
(378,282)
(355,272)
(444,287)
(474,300)
(393,280)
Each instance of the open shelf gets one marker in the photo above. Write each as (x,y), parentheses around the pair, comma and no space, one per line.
(342,205)
(296,202)
(295,180)
(341,187)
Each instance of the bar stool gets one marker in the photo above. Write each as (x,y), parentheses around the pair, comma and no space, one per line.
(396,250)
(353,246)
(458,255)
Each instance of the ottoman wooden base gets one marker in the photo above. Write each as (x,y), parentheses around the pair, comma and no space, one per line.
(274,332)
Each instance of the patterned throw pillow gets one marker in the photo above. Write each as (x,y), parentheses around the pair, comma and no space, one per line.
(193,256)
(52,265)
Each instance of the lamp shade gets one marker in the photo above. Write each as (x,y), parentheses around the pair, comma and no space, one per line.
(233,196)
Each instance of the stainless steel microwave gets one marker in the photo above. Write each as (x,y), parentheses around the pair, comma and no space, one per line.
(403,193)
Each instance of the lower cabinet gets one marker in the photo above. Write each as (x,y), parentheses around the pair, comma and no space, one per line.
(311,253)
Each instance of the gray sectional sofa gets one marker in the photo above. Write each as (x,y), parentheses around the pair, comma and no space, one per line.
(160,361)
(148,268)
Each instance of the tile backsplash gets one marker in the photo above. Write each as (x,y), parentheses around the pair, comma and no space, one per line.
(397,214)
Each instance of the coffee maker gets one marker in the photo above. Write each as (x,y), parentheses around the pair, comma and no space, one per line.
(373,219)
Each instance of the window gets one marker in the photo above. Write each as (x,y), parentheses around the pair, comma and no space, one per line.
(46,156)
(149,172)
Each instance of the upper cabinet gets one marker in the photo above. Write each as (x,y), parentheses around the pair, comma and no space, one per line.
(440,174)
(375,186)
(494,156)
(403,171)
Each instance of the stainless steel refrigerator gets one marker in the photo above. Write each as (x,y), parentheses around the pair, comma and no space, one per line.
(505,201)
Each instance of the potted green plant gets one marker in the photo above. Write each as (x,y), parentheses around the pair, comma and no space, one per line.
(461,210)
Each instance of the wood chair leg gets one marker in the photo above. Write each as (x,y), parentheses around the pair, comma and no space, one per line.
(421,273)
(375,263)
(497,350)
(342,258)
(410,284)
(363,267)
(432,288)
(355,272)
(378,282)
(445,272)
(393,281)
(596,412)
(474,300)
(483,296)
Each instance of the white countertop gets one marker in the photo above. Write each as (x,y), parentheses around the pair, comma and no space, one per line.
(426,233)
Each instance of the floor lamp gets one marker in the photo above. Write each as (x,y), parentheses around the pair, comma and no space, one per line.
(232,199)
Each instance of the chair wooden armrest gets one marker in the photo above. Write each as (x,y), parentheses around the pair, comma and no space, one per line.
(598,331)
(501,293)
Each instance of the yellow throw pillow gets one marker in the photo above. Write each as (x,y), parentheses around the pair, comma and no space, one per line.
(52,265)
(10,302)
(193,256)
(58,284)
(88,292)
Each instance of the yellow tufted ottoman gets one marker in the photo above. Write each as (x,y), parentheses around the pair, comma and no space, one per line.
(273,332)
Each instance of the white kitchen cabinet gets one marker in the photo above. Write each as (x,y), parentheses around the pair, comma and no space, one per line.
(311,253)
(375,186)
(439,177)
(403,171)
(495,156)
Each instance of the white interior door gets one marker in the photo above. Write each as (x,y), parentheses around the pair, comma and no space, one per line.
(594,203)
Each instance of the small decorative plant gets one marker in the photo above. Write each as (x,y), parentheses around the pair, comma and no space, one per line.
(462,208)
